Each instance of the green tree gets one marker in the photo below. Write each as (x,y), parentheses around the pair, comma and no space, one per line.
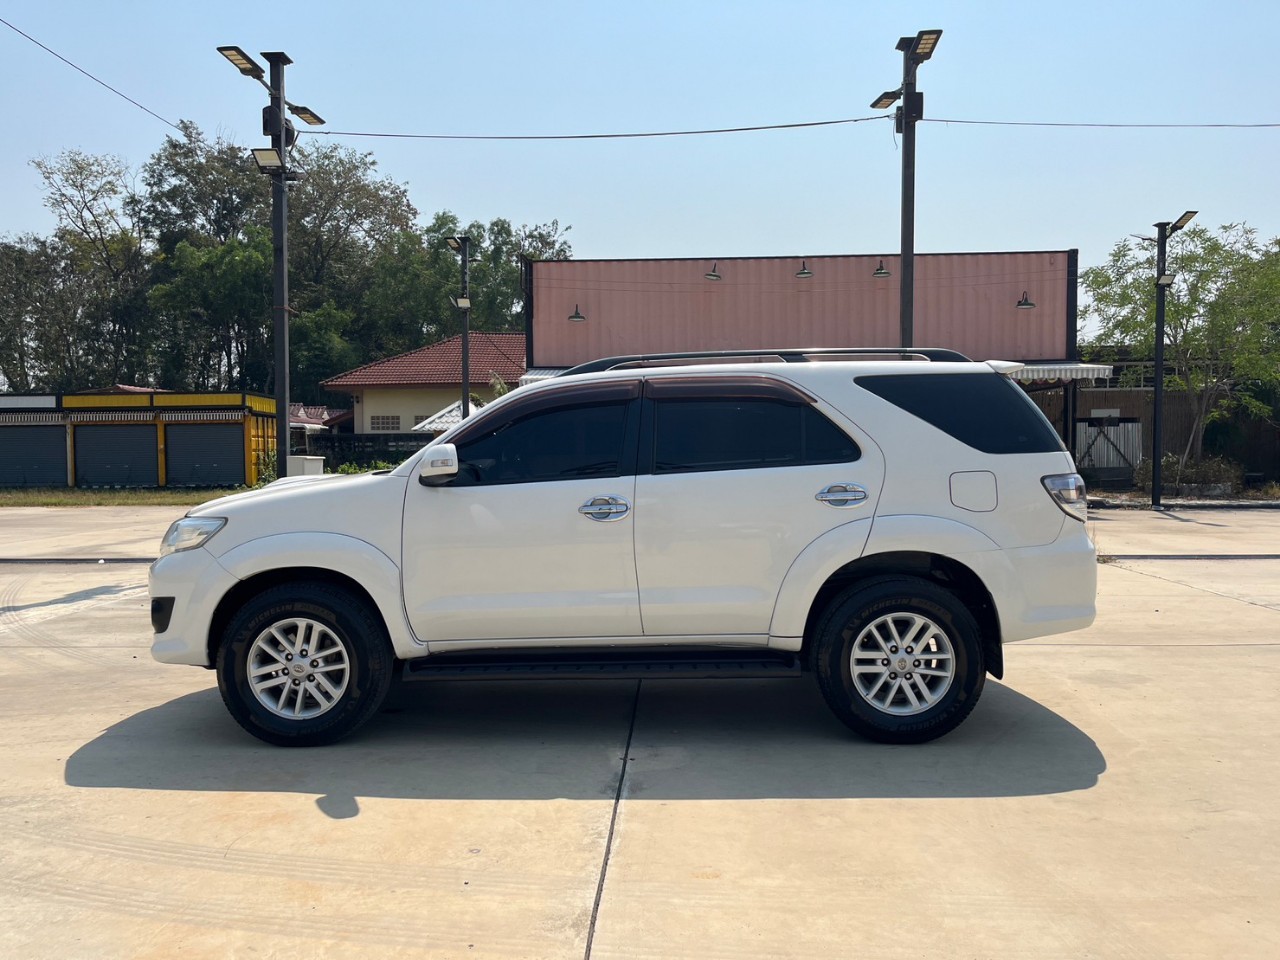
(340,214)
(48,333)
(91,198)
(1221,318)
(215,313)
(318,349)
(407,301)
(201,191)
(165,278)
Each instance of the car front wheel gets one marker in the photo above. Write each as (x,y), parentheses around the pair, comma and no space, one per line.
(304,664)
(899,660)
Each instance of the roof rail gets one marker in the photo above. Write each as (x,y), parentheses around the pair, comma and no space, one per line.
(788,355)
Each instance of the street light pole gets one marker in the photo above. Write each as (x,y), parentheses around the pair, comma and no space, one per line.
(280,269)
(462,246)
(1164,280)
(274,161)
(908,113)
(915,51)
(466,327)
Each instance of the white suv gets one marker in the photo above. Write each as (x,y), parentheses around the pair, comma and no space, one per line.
(884,520)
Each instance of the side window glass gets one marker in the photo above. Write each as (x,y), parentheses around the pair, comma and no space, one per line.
(744,434)
(565,443)
(986,411)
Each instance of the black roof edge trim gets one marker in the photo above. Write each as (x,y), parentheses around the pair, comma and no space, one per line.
(788,355)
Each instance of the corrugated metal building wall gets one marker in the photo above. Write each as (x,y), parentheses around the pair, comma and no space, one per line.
(204,454)
(964,301)
(33,456)
(134,439)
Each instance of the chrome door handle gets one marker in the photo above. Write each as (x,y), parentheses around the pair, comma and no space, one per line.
(842,495)
(605,509)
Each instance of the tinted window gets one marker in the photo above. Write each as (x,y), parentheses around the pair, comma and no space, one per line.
(986,411)
(564,443)
(743,434)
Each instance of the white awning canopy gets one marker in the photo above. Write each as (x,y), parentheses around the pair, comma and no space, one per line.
(538,374)
(443,420)
(1064,371)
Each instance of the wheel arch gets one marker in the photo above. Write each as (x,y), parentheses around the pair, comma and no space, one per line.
(245,590)
(354,564)
(946,572)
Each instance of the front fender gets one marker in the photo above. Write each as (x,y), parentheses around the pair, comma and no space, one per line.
(364,563)
(863,538)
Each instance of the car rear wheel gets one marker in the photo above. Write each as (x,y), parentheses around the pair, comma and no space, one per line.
(899,660)
(304,664)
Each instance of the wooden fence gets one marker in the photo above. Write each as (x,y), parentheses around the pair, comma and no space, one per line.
(1251,442)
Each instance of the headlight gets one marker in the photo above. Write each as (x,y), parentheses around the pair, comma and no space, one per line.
(189,533)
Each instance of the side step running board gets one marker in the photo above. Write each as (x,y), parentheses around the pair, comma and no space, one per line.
(617,664)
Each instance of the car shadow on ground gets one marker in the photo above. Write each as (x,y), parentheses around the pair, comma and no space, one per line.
(691,740)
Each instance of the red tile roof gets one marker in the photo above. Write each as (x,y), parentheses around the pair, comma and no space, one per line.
(440,364)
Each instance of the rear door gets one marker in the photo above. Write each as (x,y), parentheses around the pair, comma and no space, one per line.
(737,475)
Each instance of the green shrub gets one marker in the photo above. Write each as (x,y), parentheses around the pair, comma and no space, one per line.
(267,471)
(1210,470)
(360,468)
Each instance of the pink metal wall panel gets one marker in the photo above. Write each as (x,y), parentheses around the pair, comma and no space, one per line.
(963,301)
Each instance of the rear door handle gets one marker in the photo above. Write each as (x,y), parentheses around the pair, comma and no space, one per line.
(842,495)
(606,509)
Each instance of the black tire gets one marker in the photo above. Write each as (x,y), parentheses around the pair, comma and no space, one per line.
(369,663)
(866,603)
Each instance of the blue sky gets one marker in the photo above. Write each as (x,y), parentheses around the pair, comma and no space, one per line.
(472,67)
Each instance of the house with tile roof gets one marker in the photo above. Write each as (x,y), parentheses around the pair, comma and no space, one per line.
(394,394)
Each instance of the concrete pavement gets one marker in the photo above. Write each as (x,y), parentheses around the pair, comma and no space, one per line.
(84,532)
(1114,797)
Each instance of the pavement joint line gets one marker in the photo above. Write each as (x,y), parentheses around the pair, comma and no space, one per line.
(1193,556)
(1107,646)
(51,560)
(613,822)
(1192,586)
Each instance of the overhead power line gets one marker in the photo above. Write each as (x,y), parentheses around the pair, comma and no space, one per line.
(103,83)
(1113,126)
(782,126)
(594,136)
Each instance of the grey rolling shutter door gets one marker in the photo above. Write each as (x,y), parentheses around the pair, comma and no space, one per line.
(204,454)
(117,455)
(33,456)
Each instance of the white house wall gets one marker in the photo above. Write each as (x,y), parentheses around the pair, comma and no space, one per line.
(408,403)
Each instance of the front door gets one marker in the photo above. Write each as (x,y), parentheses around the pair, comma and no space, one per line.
(534,537)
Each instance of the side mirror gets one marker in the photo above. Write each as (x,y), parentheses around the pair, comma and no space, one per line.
(439,465)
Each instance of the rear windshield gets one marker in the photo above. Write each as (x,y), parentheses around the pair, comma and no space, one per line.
(987,411)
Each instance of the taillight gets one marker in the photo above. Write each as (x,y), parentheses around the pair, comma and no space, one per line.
(1067,490)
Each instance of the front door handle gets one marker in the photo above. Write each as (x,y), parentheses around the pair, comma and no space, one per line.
(606,509)
(842,495)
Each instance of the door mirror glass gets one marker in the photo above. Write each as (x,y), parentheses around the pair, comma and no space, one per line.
(439,465)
